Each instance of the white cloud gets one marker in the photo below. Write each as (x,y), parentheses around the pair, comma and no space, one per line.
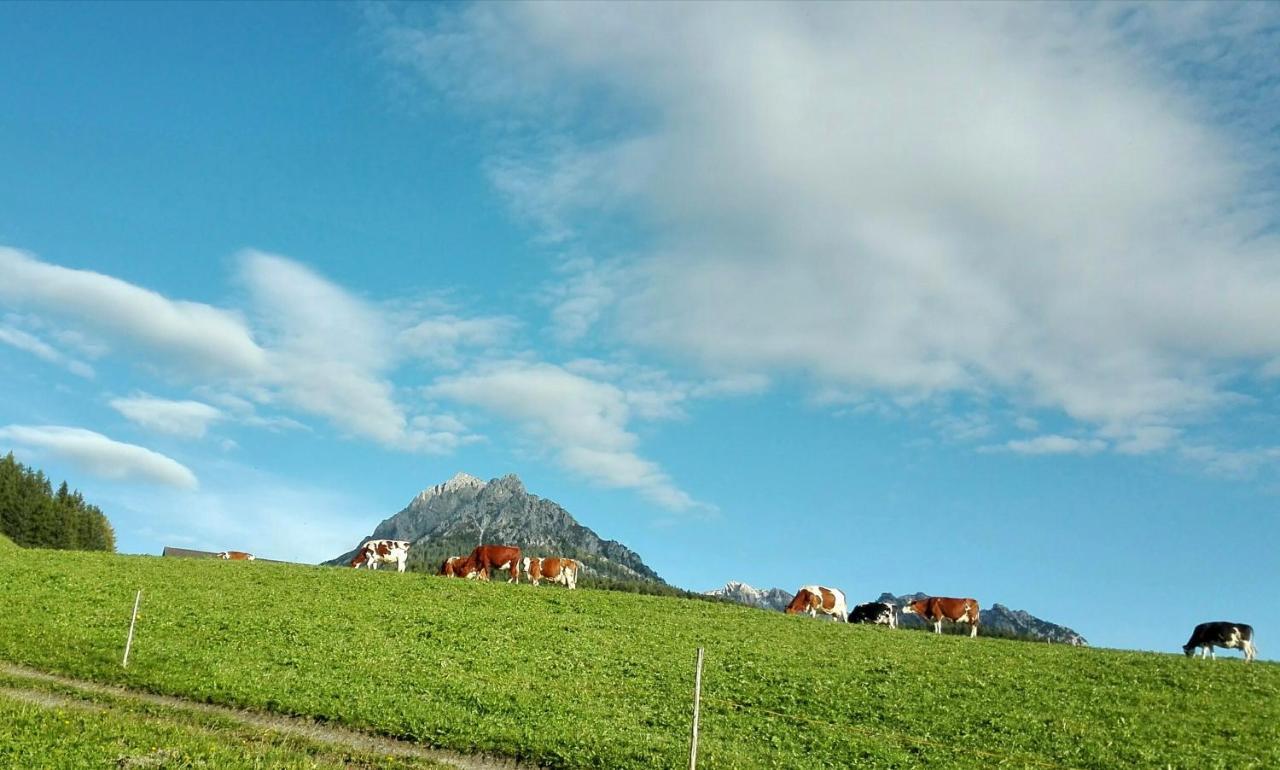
(98,455)
(440,434)
(85,343)
(245,412)
(328,350)
(969,426)
(1053,444)
(1232,463)
(580,299)
(189,419)
(584,420)
(1146,439)
(652,394)
(204,337)
(440,338)
(741,384)
(325,351)
(1036,207)
(40,349)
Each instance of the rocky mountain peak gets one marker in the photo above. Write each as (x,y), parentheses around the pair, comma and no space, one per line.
(460,480)
(510,484)
(451,518)
(742,593)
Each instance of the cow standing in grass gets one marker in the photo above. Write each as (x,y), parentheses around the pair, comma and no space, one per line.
(375,552)
(554,569)
(817,600)
(487,557)
(1220,633)
(235,556)
(940,608)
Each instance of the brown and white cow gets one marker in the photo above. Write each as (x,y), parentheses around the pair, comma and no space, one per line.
(459,566)
(819,599)
(939,608)
(236,556)
(486,557)
(552,568)
(375,552)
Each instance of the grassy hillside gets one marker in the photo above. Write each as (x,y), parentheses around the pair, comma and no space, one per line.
(6,544)
(52,730)
(603,679)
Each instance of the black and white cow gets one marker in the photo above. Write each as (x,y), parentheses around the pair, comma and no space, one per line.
(880,613)
(1221,634)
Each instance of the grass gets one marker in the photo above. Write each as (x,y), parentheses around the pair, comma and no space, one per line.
(44,726)
(601,679)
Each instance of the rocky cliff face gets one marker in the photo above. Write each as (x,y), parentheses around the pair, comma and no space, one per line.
(452,518)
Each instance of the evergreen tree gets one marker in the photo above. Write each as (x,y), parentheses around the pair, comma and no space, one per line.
(33,515)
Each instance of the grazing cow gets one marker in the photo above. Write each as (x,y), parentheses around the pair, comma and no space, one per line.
(939,608)
(554,569)
(1206,636)
(879,613)
(459,566)
(236,556)
(486,557)
(819,599)
(375,552)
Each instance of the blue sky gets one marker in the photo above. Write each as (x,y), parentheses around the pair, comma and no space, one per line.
(973,300)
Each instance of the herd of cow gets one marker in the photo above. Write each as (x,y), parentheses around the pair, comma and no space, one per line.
(820,600)
(812,599)
(476,565)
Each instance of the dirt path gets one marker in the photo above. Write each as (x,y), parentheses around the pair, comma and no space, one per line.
(294,726)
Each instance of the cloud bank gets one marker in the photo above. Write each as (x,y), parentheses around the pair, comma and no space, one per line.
(189,419)
(37,347)
(101,456)
(207,338)
(583,420)
(313,347)
(901,200)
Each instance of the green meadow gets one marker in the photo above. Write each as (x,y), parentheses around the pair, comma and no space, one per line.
(55,730)
(591,679)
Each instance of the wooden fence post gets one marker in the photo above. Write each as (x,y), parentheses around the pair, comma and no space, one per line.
(697,702)
(129,643)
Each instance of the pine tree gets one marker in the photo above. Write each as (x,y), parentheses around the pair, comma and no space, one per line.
(34,516)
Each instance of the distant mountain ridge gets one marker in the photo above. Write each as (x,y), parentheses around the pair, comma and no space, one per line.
(765,599)
(997,618)
(452,518)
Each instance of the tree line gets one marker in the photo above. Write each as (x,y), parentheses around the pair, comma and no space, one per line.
(33,515)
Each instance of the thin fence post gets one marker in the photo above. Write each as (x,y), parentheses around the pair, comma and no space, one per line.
(129,643)
(697,703)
